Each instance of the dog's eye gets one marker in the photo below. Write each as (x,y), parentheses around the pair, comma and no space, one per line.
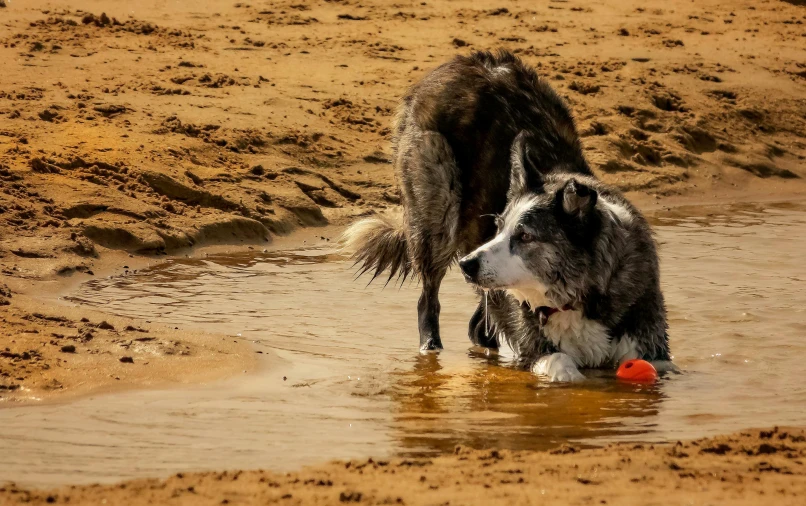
(526,237)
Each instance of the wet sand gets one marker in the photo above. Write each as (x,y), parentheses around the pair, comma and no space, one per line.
(51,352)
(747,468)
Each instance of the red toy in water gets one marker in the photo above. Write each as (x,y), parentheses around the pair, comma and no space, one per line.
(637,370)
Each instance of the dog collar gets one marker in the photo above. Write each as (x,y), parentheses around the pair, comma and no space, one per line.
(543,312)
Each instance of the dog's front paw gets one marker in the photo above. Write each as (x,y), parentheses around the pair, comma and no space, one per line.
(567,374)
(558,367)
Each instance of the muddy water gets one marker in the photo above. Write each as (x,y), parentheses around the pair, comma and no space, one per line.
(342,377)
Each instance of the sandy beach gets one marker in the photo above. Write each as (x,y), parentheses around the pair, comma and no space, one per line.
(156,129)
(135,132)
(745,468)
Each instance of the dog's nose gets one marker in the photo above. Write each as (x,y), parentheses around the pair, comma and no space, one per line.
(470,266)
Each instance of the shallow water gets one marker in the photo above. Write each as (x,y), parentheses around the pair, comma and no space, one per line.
(734,283)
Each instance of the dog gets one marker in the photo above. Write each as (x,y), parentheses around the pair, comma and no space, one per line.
(492,174)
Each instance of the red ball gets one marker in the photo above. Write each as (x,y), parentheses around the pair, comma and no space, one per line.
(637,370)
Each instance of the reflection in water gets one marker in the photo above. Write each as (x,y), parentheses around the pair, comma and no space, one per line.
(502,407)
(733,280)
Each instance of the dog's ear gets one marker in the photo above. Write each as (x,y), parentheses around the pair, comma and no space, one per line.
(578,200)
(523,175)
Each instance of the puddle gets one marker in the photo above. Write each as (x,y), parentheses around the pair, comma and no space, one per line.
(734,282)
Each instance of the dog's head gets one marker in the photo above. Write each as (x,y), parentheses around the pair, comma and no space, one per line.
(546,236)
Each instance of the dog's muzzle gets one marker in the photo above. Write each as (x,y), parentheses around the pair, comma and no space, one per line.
(470,266)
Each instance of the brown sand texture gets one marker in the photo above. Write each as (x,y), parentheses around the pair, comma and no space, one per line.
(750,468)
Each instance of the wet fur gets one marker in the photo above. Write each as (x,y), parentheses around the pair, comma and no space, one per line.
(454,139)
(600,260)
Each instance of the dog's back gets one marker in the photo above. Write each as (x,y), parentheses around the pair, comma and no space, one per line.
(478,104)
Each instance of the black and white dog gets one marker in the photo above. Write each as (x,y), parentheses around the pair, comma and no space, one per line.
(491,169)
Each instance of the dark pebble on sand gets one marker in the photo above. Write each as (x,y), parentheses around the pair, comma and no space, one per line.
(68,349)
(127,360)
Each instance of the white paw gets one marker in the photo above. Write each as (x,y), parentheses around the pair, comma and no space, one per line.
(566,374)
(558,367)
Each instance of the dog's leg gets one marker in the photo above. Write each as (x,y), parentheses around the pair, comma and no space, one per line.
(428,312)
(431,197)
(557,367)
(665,366)
(480,330)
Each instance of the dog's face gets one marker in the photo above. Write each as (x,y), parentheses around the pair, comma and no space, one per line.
(544,242)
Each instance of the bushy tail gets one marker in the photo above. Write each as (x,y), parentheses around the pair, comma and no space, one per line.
(378,244)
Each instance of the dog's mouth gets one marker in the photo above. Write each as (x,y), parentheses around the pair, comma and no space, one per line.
(475,274)
(470,279)
(484,284)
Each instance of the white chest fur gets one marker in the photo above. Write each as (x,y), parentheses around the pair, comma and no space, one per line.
(587,342)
